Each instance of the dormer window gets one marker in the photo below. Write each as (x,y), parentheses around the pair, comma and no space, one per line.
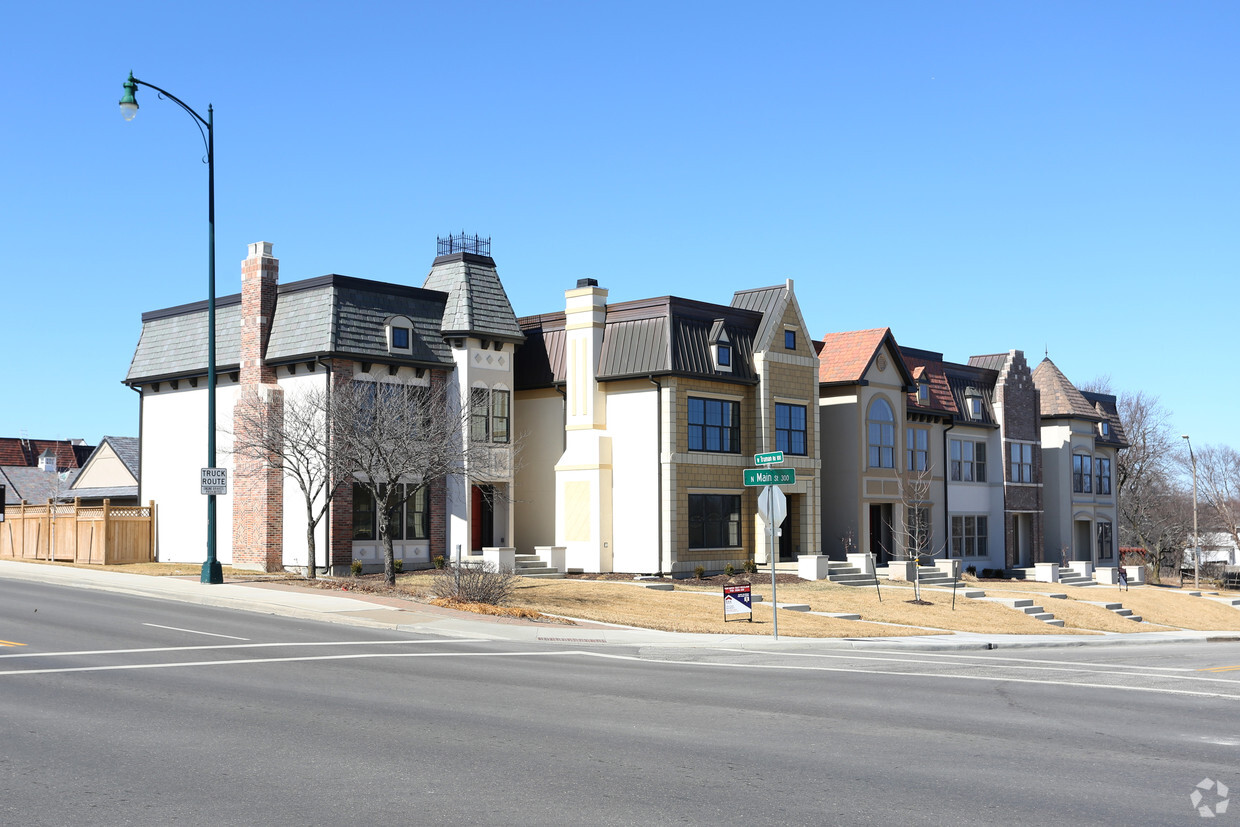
(399,335)
(1104,428)
(973,402)
(720,346)
(923,391)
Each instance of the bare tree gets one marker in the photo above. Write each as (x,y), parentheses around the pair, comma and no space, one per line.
(917,531)
(295,441)
(397,437)
(1218,479)
(1148,490)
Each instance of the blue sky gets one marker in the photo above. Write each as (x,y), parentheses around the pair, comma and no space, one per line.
(976,176)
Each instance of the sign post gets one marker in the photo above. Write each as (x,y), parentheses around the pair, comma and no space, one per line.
(773,506)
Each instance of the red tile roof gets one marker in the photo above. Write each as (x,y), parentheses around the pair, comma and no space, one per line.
(941,398)
(844,357)
(25,453)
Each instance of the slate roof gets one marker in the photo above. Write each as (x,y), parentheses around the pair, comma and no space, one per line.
(1107,409)
(666,335)
(844,358)
(326,316)
(126,450)
(15,451)
(34,486)
(476,304)
(114,492)
(929,364)
(1060,398)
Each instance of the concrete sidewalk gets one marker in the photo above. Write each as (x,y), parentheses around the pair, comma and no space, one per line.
(283,599)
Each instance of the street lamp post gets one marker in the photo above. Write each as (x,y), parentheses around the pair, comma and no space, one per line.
(1196,539)
(212,572)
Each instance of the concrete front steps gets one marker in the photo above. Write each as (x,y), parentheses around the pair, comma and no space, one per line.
(1118,608)
(1026,606)
(531,565)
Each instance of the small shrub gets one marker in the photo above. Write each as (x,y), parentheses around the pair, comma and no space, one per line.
(439,561)
(478,582)
(398,565)
(971,570)
(751,567)
(355,568)
(729,570)
(700,572)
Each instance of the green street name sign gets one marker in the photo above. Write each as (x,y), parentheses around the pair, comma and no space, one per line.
(766,459)
(770,476)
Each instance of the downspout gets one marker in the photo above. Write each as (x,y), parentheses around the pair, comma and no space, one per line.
(658,467)
(327,418)
(154,527)
(563,392)
(947,474)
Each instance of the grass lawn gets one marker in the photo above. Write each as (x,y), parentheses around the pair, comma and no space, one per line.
(1159,606)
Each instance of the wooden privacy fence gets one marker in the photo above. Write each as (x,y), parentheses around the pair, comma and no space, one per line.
(106,535)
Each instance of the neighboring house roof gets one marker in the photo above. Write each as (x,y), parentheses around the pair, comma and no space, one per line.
(1060,398)
(963,378)
(659,336)
(1107,409)
(125,448)
(477,304)
(326,316)
(844,358)
(990,361)
(35,486)
(115,492)
(929,364)
(70,453)
(770,302)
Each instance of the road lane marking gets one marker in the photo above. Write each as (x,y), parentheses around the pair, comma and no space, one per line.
(238,646)
(193,631)
(839,669)
(10,643)
(254,661)
(1220,669)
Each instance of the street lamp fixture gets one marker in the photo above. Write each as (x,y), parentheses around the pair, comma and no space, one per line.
(212,572)
(1196,539)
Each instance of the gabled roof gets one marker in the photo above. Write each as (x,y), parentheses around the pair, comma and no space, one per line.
(126,450)
(1060,398)
(326,316)
(844,358)
(477,304)
(70,453)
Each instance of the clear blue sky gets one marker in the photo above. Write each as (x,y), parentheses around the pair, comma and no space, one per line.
(976,176)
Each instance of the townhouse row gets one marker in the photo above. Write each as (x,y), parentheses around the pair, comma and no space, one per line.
(620,431)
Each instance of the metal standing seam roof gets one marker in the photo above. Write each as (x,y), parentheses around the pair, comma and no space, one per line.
(770,302)
(960,378)
(1107,409)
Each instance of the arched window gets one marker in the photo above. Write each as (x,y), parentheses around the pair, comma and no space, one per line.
(881,427)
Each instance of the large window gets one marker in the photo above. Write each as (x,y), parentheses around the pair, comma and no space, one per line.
(479,415)
(790,428)
(499,415)
(714,521)
(714,425)
(1022,462)
(881,435)
(969,535)
(1104,476)
(1105,550)
(917,449)
(968,460)
(1082,474)
(410,520)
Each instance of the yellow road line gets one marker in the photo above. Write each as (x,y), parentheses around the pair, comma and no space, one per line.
(10,643)
(1220,669)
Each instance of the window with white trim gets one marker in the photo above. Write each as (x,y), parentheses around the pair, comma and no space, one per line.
(969,535)
(1106,549)
(917,449)
(968,461)
(1103,478)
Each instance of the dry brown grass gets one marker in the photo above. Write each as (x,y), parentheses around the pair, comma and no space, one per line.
(676,611)
(487,609)
(1159,606)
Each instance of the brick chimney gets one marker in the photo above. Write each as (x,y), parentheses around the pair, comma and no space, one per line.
(258,486)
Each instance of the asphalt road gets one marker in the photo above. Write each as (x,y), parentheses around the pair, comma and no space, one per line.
(123,710)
